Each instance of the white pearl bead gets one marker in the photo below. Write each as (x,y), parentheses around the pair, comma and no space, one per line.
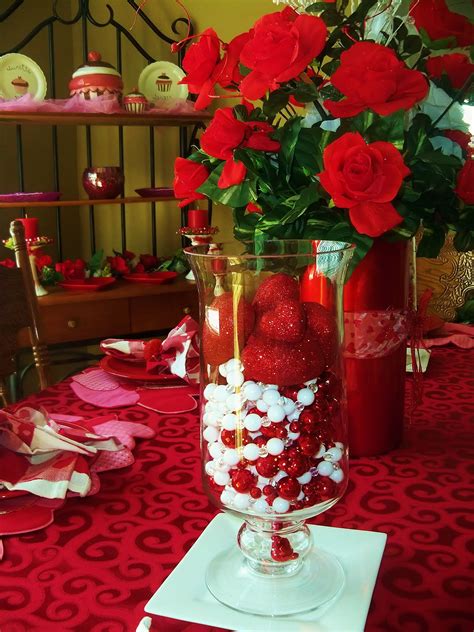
(262,406)
(223,370)
(273,387)
(325,468)
(339,445)
(221,478)
(288,406)
(306,396)
(252,391)
(271,396)
(226,497)
(253,422)
(279,475)
(241,501)
(229,421)
(210,419)
(295,415)
(209,390)
(220,393)
(231,457)
(235,378)
(234,402)
(209,468)
(234,364)
(304,478)
(337,476)
(334,455)
(215,449)
(275,446)
(280,505)
(293,435)
(251,452)
(261,505)
(276,413)
(210,434)
(321,452)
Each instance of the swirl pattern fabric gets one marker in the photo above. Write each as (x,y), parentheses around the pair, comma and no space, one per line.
(94,568)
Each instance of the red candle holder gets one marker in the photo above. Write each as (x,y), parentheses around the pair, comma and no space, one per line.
(198,218)
(30,224)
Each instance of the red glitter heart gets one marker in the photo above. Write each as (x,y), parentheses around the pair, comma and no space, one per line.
(286,321)
(218,330)
(276,288)
(322,324)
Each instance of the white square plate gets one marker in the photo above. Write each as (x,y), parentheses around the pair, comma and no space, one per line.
(183,595)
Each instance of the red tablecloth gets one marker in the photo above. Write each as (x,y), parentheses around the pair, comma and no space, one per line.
(95,567)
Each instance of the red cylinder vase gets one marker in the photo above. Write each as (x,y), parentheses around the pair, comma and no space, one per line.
(375,314)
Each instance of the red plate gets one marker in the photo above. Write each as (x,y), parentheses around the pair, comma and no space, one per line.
(136,372)
(151,277)
(88,285)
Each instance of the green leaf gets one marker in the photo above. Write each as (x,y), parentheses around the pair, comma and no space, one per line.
(412,44)
(438,158)
(309,150)
(305,92)
(463,7)
(95,262)
(330,16)
(288,137)
(389,128)
(307,197)
(317,7)
(239,195)
(275,102)
(431,242)
(464,240)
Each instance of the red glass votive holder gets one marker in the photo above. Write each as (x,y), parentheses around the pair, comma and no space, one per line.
(30,224)
(198,218)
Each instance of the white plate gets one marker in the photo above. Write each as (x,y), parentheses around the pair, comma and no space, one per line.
(183,595)
(159,83)
(16,67)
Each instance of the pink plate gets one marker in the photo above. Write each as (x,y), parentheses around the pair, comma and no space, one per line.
(136,372)
(151,277)
(88,285)
(155,192)
(50,196)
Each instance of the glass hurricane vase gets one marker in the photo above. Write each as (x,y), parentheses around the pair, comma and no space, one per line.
(273,420)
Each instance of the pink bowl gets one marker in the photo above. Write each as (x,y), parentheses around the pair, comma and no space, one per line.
(103,183)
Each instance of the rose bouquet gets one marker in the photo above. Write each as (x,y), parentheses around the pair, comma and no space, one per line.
(349,127)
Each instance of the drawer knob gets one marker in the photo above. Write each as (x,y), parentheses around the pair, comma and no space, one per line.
(186,310)
(72,324)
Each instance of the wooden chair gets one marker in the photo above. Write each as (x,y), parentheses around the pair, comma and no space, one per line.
(18,309)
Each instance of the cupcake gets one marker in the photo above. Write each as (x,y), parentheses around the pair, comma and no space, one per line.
(135,102)
(164,83)
(20,86)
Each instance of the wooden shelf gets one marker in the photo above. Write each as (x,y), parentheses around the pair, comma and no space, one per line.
(126,200)
(125,118)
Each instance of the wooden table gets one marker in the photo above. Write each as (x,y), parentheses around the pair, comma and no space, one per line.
(124,309)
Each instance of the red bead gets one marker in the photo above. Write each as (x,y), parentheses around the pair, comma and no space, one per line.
(280,431)
(281,550)
(288,488)
(214,486)
(242,465)
(260,441)
(299,504)
(229,437)
(298,465)
(309,417)
(308,444)
(319,490)
(267,466)
(295,426)
(268,431)
(269,490)
(255,492)
(291,392)
(243,481)
(255,411)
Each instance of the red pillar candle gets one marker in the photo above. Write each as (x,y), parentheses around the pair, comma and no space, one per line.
(197,218)
(30,224)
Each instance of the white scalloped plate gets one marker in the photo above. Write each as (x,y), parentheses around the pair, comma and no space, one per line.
(159,82)
(15,66)
(183,595)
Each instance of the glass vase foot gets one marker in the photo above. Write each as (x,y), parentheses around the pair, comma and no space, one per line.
(231,580)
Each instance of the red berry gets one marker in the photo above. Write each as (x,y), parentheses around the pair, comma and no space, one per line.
(255,492)
(243,481)
(267,466)
(288,488)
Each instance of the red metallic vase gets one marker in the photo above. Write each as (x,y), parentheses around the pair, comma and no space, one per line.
(375,313)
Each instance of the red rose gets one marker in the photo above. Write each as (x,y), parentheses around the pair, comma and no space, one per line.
(200,63)
(228,71)
(456,66)
(149,261)
(465,182)
(372,77)
(253,208)
(139,268)
(128,255)
(434,17)
(225,134)
(8,263)
(280,47)
(188,176)
(463,139)
(118,265)
(43,260)
(70,269)
(364,178)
